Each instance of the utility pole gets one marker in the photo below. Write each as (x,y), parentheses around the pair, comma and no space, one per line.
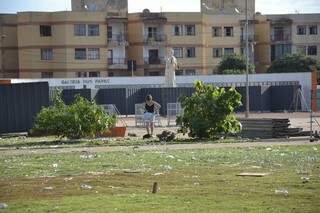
(2,54)
(247,63)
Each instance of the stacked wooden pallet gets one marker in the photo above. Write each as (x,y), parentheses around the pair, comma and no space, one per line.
(267,128)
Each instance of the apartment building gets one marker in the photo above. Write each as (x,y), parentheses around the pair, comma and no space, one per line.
(98,37)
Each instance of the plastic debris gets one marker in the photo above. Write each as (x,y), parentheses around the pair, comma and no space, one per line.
(284,192)
(85,186)
(3,205)
(305,179)
(157,174)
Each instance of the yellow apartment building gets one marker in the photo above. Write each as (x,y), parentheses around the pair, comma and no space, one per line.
(99,38)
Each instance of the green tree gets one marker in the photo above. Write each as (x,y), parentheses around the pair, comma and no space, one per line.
(209,111)
(234,64)
(81,119)
(292,63)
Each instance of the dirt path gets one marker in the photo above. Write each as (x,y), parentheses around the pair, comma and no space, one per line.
(161,147)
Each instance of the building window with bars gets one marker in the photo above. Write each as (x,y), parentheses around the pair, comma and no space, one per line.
(94,74)
(190,30)
(46,54)
(190,52)
(93,30)
(313,30)
(228,51)
(301,30)
(81,74)
(80,30)
(80,54)
(312,50)
(216,32)
(217,52)
(177,30)
(47,75)
(228,31)
(93,53)
(178,52)
(190,72)
(45,30)
(301,50)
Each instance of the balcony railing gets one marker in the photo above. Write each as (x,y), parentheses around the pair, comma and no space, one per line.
(251,38)
(117,39)
(281,37)
(154,60)
(117,61)
(155,39)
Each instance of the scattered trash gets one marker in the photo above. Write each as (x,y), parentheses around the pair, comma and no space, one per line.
(179,160)
(48,188)
(282,192)
(167,167)
(315,149)
(256,167)
(193,158)
(250,174)
(131,171)
(196,184)
(55,165)
(114,187)
(268,149)
(305,179)
(157,174)
(86,156)
(132,134)
(68,179)
(171,156)
(166,136)
(3,205)
(85,186)
(282,154)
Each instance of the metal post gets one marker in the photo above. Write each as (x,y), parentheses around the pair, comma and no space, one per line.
(132,68)
(247,63)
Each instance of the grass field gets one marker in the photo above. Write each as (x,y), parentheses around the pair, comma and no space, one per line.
(189,181)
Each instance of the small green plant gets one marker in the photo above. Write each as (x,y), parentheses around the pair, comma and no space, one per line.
(209,111)
(234,64)
(81,119)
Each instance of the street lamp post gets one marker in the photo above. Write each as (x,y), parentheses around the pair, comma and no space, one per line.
(2,55)
(247,64)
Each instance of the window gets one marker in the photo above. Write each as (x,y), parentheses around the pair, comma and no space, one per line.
(228,31)
(82,74)
(109,32)
(178,52)
(177,30)
(93,30)
(190,72)
(46,54)
(301,30)
(80,54)
(313,30)
(93,53)
(152,32)
(45,30)
(47,75)
(312,50)
(94,74)
(79,30)
(217,52)
(301,50)
(190,30)
(228,51)
(190,52)
(216,32)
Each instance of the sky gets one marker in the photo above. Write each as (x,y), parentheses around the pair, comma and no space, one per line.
(263,6)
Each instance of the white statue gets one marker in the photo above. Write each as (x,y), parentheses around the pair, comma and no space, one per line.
(171,66)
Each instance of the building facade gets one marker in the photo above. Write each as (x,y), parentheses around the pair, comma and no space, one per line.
(98,38)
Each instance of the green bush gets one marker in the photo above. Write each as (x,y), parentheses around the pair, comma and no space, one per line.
(292,63)
(80,119)
(209,111)
(233,72)
(237,63)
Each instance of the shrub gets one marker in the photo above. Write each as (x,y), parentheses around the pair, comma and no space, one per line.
(209,111)
(234,62)
(81,119)
(292,63)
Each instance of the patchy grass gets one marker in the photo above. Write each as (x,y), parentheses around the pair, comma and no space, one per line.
(54,142)
(194,180)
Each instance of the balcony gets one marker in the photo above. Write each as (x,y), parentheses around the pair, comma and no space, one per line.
(154,61)
(152,18)
(117,63)
(115,40)
(155,39)
(251,38)
(281,37)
